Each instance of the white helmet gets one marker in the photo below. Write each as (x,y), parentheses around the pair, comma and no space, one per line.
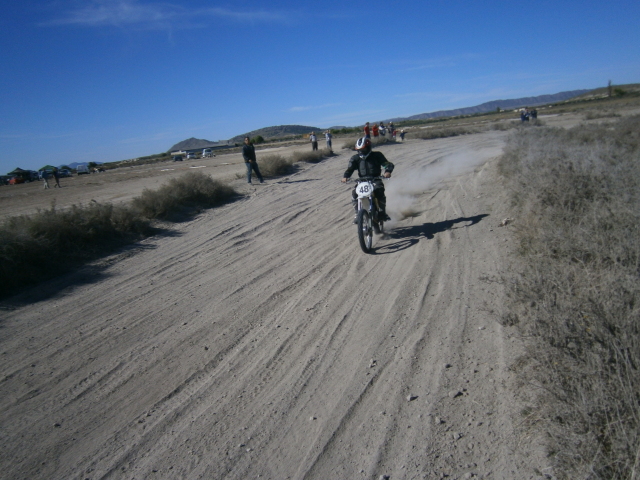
(363,147)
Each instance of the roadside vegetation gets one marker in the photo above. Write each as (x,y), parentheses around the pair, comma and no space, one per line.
(312,156)
(275,165)
(36,247)
(576,296)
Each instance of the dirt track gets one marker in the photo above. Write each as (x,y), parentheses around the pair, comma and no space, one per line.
(258,341)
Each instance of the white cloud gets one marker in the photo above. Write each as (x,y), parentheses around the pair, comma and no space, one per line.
(316,107)
(121,13)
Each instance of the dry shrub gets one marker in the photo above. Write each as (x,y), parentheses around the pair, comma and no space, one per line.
(431,133)
(313,156)
(577,296)
(502,126)
(190,192)
(595,114)
(275,165)
(36,247)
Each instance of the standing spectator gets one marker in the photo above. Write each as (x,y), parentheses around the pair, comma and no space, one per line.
(249,155)
(534,114)
(367,131)
(375,130)
(45,176)
(314,141)
(328,137)
(402,134)
(391,128)
(56,176)
(524,115)
(383,129)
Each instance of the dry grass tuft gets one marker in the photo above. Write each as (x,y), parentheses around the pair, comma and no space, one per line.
(577,297)
(275,165)
(313,156)
(440,132)
(179,196)
(37,247)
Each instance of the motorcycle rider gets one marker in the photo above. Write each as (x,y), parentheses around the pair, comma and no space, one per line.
(369,164)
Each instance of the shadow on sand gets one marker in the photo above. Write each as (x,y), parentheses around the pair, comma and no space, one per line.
(408,236)
(53,283)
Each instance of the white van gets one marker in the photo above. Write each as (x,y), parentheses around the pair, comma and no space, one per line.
(206,152)
(80,169)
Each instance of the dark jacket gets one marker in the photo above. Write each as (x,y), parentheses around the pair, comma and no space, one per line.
(249,153)
(368,167)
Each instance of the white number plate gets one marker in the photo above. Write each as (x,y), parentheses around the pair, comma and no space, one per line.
(364,189)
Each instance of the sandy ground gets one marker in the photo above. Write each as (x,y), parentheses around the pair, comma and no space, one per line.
(259,341)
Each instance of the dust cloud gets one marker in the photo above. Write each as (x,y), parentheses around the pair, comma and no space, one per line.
(408,183)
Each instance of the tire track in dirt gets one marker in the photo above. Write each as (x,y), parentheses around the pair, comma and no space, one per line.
(257,339)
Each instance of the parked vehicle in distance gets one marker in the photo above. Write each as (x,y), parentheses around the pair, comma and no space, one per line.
(80,169)
(177,158)
(16,180)
(191,155)
(207,152)
(65,173)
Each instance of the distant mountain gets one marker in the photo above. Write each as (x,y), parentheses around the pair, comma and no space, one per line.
(193,144)
(503,104)
(277,132)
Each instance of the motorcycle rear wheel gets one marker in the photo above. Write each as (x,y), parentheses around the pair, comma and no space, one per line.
(365,231)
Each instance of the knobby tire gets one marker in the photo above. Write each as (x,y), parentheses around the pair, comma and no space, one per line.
(365,231)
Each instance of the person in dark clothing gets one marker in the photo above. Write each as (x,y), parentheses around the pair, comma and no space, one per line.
(369,164)
(56,177)
(249,155)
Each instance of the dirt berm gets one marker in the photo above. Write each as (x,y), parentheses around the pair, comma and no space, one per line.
(259,341)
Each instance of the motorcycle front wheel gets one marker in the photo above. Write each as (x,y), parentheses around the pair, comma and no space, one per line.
(365,231)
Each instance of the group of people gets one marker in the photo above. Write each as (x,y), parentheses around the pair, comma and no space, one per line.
(314,140)
(381,130)
(526,114)
(56,176)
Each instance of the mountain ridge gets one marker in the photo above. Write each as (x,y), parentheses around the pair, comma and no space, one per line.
(502,104)
(281,131)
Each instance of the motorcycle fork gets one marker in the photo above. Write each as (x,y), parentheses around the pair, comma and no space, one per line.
(369,207)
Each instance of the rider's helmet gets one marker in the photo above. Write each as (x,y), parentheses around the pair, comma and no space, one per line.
(363,147)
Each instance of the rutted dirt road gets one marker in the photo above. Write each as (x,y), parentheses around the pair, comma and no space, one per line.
(258,341)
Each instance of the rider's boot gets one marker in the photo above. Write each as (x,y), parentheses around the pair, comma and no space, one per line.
(382,214)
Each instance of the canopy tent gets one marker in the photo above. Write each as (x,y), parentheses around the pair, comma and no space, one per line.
(47,167)
(17,171)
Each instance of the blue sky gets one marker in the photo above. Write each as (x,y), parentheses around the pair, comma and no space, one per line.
(105,80)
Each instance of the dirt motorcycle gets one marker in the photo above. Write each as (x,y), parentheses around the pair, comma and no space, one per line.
(368,216)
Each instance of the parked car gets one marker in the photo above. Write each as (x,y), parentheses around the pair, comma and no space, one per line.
(65,173)
(81,169)
(16,180)
(191,155)
(177,158)
(206,152)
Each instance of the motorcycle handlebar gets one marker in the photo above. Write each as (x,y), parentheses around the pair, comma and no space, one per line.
(367,179)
